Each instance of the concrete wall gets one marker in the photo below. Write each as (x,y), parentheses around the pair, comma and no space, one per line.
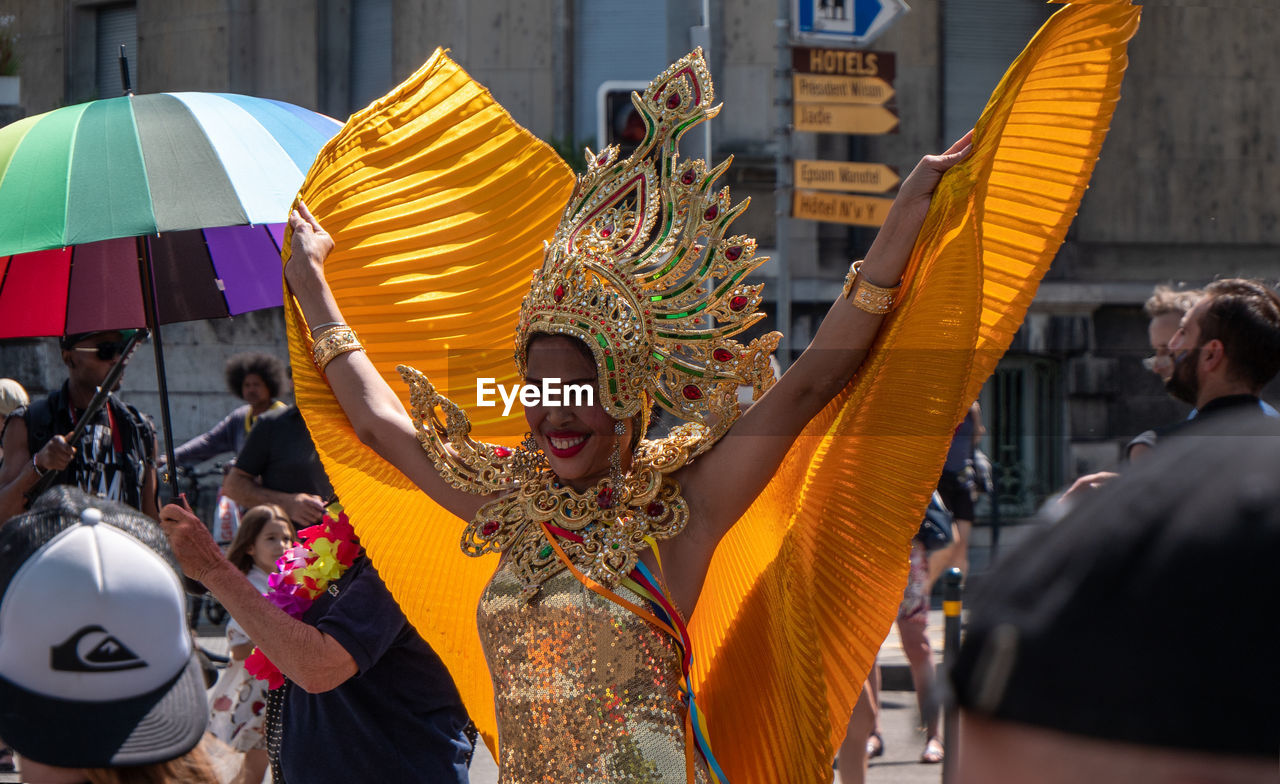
(506,46)
(1194,152)
(42,47)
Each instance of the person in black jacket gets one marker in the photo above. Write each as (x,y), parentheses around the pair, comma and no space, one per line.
(115,459)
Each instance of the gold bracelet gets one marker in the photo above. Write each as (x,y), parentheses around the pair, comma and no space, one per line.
(320,329)
(326,329)
(867,296)
(336,341)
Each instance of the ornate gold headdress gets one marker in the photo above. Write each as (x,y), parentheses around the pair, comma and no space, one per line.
(641,271)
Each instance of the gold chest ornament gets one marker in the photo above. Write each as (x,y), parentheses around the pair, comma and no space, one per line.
(601,530)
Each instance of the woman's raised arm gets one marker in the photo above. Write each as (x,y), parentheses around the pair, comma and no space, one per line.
(755,446)
(373,409)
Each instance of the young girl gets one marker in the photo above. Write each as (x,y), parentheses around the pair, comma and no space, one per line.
(238,700)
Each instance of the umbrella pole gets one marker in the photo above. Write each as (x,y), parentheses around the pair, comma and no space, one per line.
(147,273)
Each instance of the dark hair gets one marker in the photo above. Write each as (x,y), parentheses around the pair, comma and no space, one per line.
(268,368)
(1245,316)
(251,524)
(577,342)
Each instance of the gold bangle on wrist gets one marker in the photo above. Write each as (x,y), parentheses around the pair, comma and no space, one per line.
(328,326)
(331,343)
(867,296)
(324,332)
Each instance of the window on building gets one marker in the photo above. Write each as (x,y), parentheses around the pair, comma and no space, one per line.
(116,24)
(1022,409)
(371,72)
(602,29)
(980,39)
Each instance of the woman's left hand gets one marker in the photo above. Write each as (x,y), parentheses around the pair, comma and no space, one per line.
(917,189)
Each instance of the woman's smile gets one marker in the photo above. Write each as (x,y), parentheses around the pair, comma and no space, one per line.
(566,443)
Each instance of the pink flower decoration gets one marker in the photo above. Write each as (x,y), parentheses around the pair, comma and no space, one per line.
(347,552)
(260,667)
(341,529)
(311,532)
(305,571)
(294,602)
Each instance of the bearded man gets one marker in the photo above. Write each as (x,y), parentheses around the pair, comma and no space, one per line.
(1226,349)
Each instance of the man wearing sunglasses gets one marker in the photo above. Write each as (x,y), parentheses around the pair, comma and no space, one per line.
(114,459)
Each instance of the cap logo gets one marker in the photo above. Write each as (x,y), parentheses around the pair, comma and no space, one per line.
(93,649)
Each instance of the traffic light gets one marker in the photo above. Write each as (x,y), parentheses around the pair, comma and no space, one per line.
(617,121)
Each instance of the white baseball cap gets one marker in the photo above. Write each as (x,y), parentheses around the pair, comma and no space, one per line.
(96,663)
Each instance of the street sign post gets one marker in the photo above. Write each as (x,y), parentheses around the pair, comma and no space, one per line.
(846,176)
(871,90)
(840,208)
(842,91)
(843,62)
(844,118)
(852,23)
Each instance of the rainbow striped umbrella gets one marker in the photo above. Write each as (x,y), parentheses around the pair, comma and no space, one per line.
(151,164)
(206,178)
(148,209)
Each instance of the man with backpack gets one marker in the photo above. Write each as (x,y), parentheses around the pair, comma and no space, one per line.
(114,459)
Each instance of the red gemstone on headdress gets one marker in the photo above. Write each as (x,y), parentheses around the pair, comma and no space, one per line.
(501,451)
(734,253)
(673,100)
(607,230)
(691,392)
(711,212)
(559,292)
(490,528)
(603,158)
(655,509)
(688,177)
(604,498)
(722,355)
(738,303)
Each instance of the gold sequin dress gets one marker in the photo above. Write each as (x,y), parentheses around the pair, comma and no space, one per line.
(585,690)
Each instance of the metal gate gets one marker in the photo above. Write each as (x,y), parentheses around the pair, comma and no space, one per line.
(1022,408)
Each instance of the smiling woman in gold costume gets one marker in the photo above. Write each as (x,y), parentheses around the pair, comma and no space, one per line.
(780,533)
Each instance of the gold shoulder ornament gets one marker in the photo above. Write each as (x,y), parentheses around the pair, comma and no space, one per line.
(601,530)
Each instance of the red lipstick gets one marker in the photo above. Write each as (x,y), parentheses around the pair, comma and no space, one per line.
(564,452)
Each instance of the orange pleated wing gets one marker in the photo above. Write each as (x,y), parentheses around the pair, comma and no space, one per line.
(803,590)
(439,204)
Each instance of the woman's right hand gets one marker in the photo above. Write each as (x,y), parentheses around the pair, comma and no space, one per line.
(191,542)
(310,247)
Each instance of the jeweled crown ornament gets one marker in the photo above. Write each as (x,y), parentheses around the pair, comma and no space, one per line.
(642,272)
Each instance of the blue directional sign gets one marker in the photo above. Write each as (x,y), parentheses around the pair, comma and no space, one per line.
(853,23)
